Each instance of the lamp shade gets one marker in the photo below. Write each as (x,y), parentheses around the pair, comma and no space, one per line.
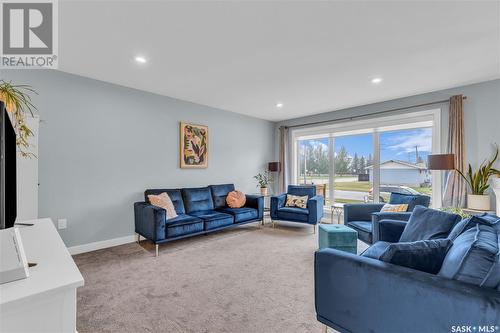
(441,162)
(274,166)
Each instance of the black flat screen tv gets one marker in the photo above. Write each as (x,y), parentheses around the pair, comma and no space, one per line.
(8,189)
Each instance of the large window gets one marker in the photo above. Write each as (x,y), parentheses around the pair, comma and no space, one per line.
(403,162)
(353,158)
(313,165)
(366,160)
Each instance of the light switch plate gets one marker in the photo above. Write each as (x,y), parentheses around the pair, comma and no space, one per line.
(62,223)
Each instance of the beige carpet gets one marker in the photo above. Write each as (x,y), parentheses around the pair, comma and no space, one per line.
(246,279)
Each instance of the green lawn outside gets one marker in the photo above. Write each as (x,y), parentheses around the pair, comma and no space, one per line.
(353,186)
(423,190)
(345,201)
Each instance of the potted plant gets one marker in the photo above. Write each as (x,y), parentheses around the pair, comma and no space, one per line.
(478,183)
(263,179)
(18,104)
(496,190)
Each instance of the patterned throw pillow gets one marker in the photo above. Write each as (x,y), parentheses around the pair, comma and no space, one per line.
(296,201)
(236,199)
(162,200)
(394,208)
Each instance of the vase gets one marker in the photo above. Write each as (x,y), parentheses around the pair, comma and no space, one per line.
(478,202)
(263,190)
(496,189)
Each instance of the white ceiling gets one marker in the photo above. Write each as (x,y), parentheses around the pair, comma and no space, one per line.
(312,56)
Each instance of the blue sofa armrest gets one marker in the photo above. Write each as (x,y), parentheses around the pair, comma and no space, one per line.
(360,212)
(257,202)
(377,217)
(315,207)
(277,202)
(360,294)
(150,221)
(390,230)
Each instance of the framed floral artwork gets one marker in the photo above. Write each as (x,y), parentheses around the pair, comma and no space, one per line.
(194,146)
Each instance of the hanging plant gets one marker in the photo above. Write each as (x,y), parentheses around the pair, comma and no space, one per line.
(18,104)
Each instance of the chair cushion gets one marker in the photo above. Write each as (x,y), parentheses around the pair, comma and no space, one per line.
(426,223)
(376,250)
(411,199)
(197,199)
(293,214)
(474,257)
(184,229)
(295,210)
(219,194)
(209,215)
(361,225)
(174,194)
(493,219)
(302,190)
(182,220)
(470,222)
(425,255)
(241,214)
(213,219)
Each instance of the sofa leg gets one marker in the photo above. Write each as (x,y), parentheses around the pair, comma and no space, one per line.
(325,329)
(314,232)
(138,238)
(156,249)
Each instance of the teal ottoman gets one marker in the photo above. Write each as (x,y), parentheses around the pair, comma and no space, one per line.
(337,236)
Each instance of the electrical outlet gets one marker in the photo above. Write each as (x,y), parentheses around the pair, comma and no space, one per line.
(62,224)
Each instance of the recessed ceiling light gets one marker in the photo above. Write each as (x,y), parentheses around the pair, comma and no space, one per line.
(376,80)
(140,59)
(279,105)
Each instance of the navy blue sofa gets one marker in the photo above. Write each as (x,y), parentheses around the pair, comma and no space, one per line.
(364,218)
(200,211)
(310,215)
(361,294)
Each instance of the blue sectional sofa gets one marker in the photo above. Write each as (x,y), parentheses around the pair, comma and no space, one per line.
(200,211)
(364,293)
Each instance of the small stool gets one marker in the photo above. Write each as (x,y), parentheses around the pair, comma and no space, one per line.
(339,237)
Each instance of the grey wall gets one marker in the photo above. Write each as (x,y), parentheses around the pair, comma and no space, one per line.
(481,108)
(101,145)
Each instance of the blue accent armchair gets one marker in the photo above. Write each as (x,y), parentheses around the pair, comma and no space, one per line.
(310,215)
(365,218)
(370,295)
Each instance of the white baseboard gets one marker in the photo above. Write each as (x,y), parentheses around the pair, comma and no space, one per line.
(100,245)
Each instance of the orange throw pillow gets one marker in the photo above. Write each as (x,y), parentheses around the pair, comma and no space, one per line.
(162,200)
(236,199)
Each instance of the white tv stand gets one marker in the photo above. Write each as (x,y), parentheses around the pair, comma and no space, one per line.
(46,300)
